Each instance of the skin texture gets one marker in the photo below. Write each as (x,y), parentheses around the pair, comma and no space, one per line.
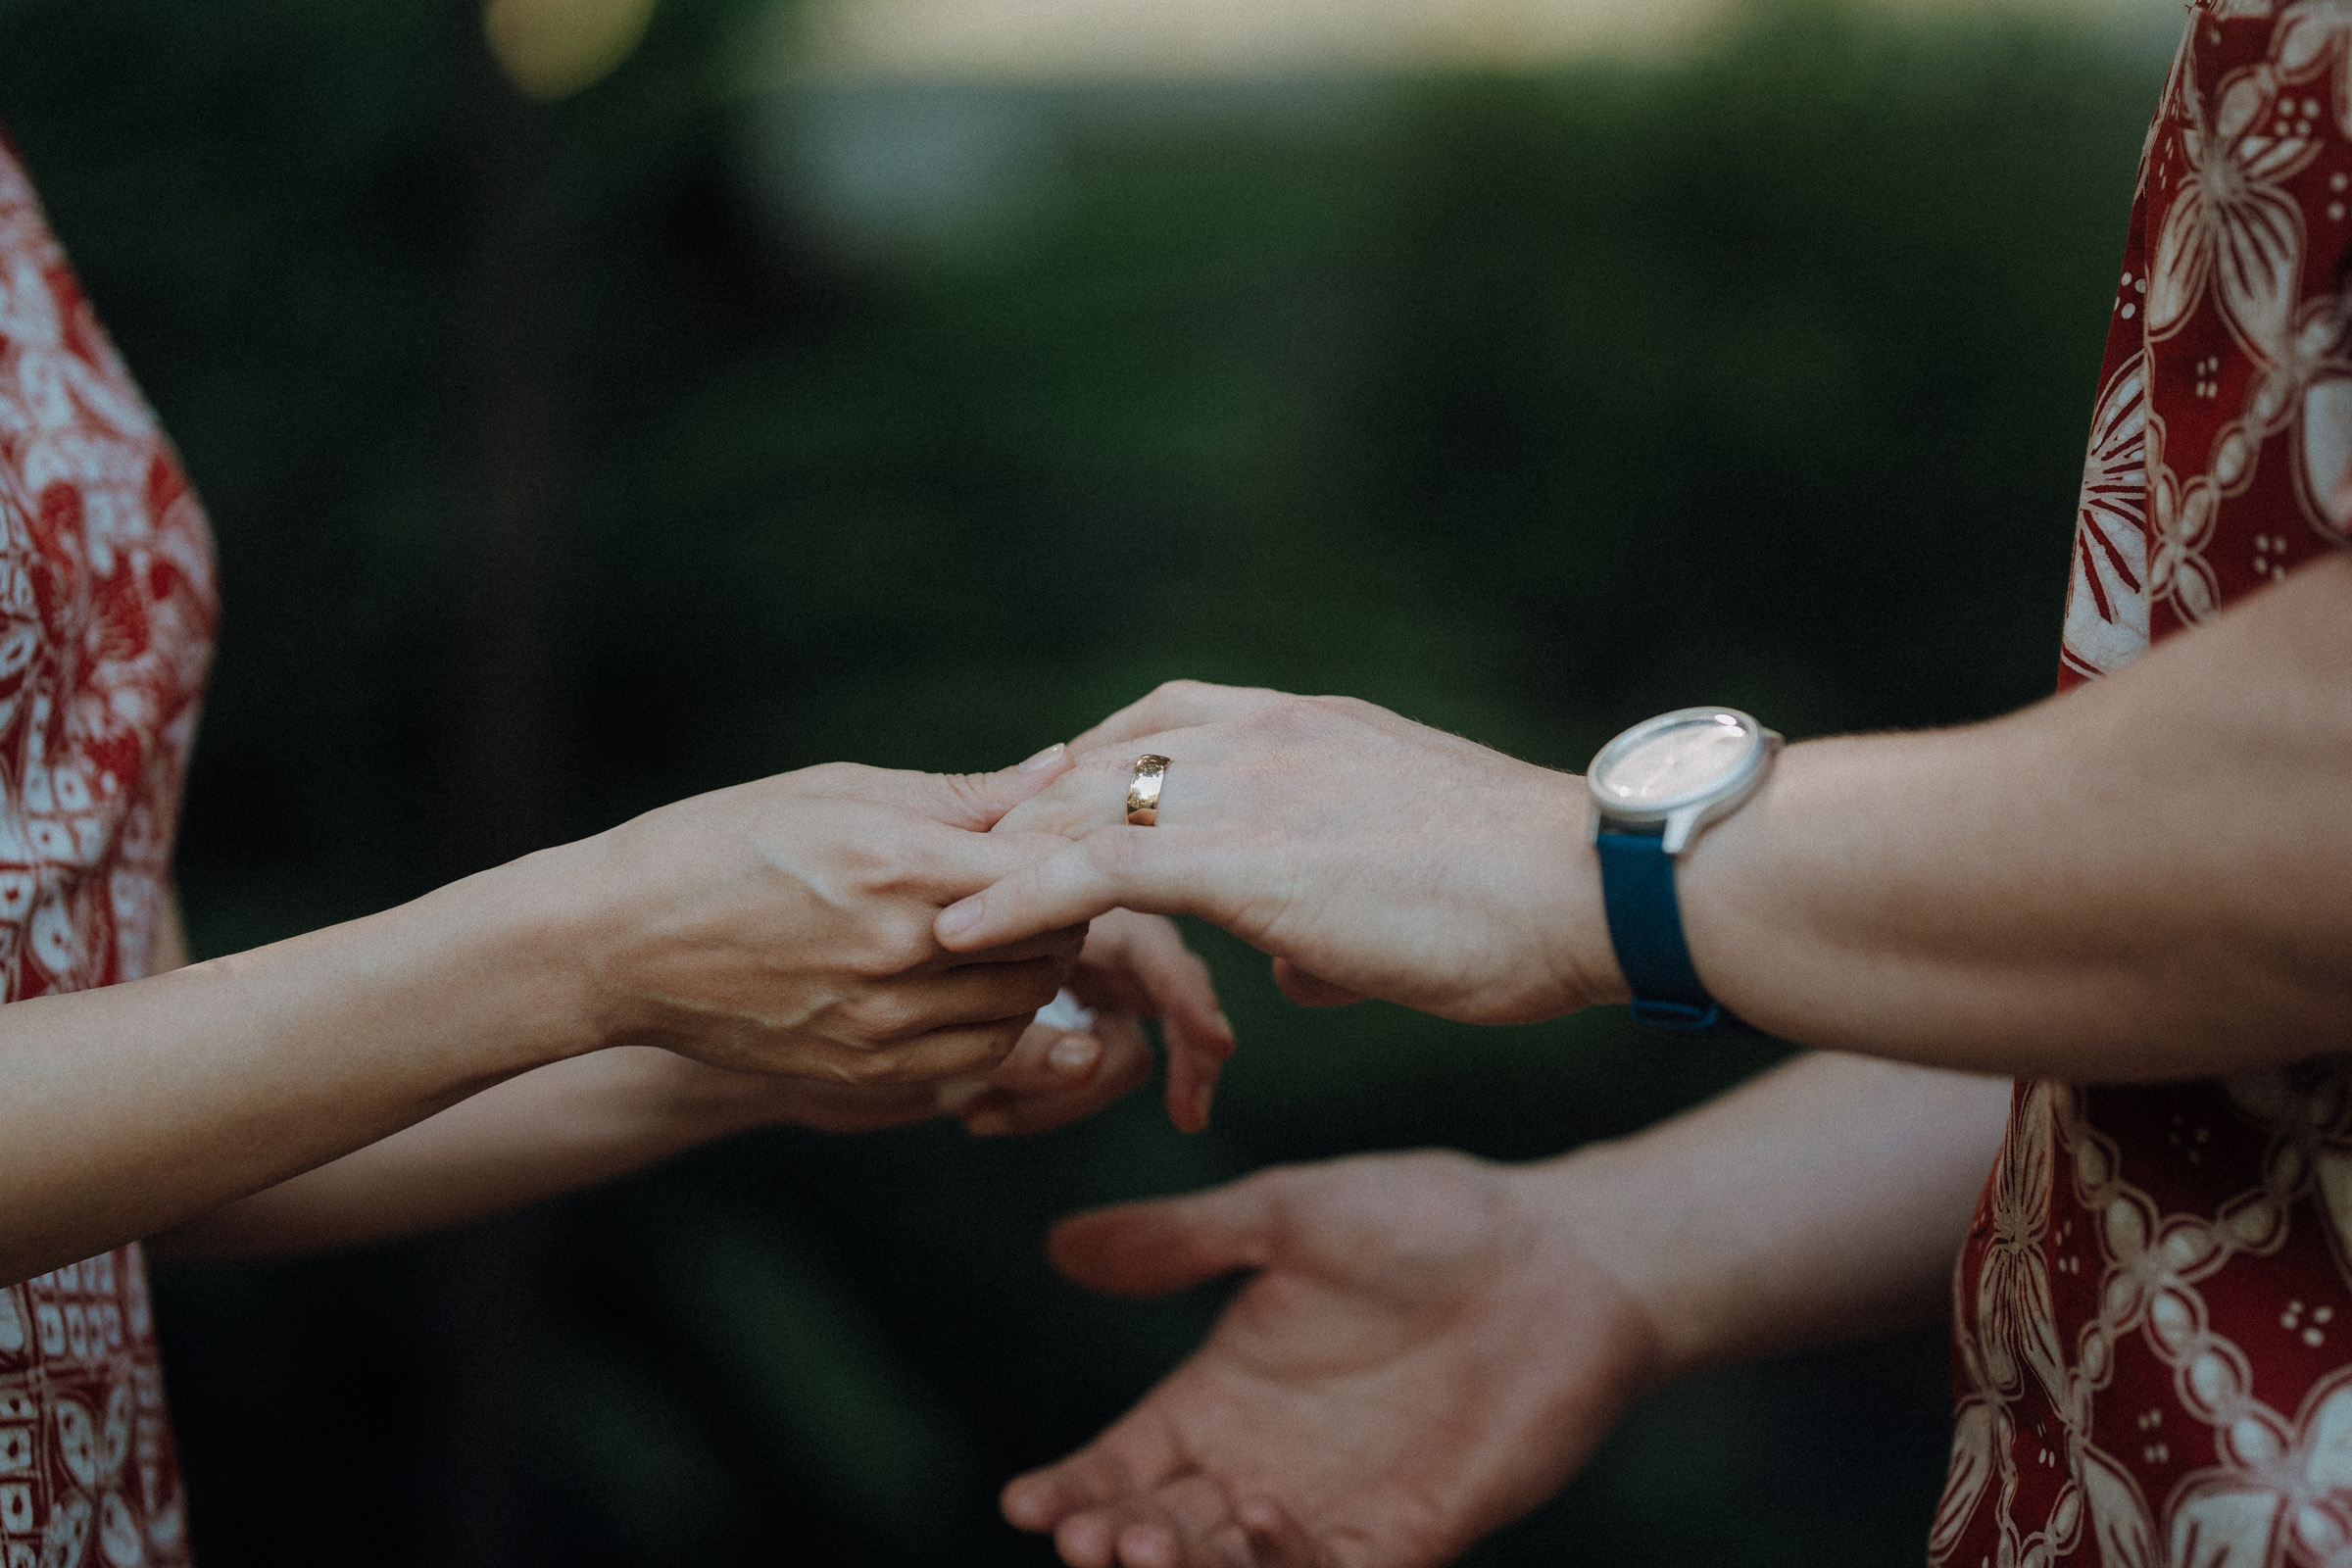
(1428,1345)
(2149,877)
(781,928)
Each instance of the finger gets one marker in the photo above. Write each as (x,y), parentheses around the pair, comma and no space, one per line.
(1168,1244)
(969,801)
(929,1001)
(1308,991)
(1087,1541)
(1091,794)
(1176,704)
(1088,1072)
(1183,997)
(1094,1477)
(1159,870)
(1276,1540)
(1196,1529)
(944,865)
(940,1053)
(1150,1543)
(1062,947)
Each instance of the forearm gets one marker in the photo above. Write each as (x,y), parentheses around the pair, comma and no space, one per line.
(138,1107)
(570,1124)
(2149,877)
(1824,1201)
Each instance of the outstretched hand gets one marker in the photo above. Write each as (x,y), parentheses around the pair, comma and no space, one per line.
(1370,855)
(1419,1358)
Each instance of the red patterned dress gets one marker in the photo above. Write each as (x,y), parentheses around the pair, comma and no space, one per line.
(2153,1313)
(106,613)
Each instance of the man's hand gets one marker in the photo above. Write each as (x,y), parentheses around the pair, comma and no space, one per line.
(1370,855)
(1419,1360)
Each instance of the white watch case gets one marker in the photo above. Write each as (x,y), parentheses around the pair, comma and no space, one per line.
(1678,772)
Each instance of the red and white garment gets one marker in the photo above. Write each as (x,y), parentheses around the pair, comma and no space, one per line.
(107,612)
(2152,1346)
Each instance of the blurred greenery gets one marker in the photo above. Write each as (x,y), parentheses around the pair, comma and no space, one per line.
(1526,405)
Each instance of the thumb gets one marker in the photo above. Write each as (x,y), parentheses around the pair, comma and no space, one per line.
(1153,1249)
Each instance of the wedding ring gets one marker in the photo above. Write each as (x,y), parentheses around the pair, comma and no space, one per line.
(1143,796)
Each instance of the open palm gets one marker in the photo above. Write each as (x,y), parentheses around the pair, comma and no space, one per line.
(1417,1360)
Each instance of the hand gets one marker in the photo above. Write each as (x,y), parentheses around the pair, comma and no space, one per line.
(1421,1357)
(784,926)
(1133,965)
(1372,856)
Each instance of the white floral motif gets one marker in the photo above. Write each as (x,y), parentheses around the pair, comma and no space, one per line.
(2282,1490)
(2311,37)
(2230,224)
(2107,602)
(2185,516)
(2322,405)
(2017,1329)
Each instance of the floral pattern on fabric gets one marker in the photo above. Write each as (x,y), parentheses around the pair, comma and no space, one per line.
(107,614)
(2152,1317)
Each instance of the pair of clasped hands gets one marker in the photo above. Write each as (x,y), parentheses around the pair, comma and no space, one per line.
(1369,856)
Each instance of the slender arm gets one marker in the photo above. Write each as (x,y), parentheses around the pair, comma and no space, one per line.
(780,927)
(561,1127)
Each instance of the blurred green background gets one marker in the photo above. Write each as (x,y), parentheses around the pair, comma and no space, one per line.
(568,458)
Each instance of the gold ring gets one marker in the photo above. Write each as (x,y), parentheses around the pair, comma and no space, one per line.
(1143,796)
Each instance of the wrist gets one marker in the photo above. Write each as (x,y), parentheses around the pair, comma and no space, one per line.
(693,1102)
(516,939)
(1592,954)
(1577,1226)
(1610,1203)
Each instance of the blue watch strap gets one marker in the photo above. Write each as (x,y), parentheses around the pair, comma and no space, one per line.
(1646,923)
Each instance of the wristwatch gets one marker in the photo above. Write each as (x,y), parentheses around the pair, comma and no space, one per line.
(1655,787)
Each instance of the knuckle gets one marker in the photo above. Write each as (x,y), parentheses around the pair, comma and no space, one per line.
(883,1017)
(832,778)
(873,1068)
(893,951)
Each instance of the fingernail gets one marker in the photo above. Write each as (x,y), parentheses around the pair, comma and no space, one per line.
(1201,1099)
(1225,1027)
(1073,1054)
(959,916)
(988,1124)
(1043,759)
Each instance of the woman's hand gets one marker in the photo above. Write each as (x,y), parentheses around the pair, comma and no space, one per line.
(1372,856)
(1133,966)
(785,926)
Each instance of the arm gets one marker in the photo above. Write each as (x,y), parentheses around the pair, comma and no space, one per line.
(1431,1346)
(2148,877)
(779,927)
(597,1117)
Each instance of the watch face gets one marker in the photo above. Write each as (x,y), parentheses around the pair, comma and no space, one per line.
(1674,759)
